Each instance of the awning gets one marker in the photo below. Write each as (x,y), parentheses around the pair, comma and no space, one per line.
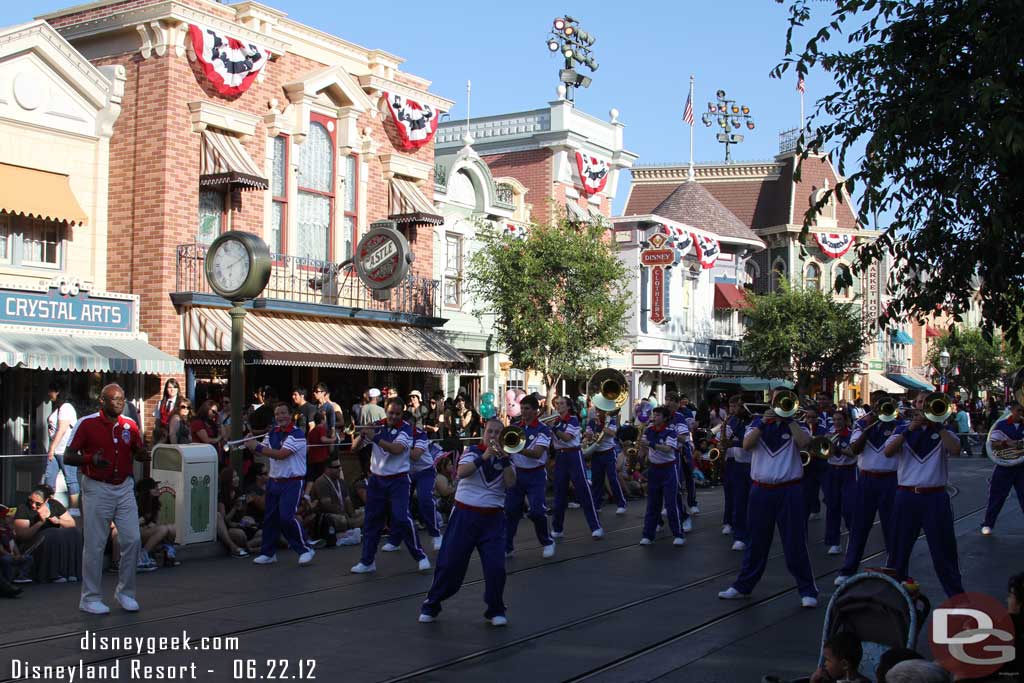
(747,384)
(40,194)
(408,205)
(75,353)
(901,337)
(880,382)
(728,295)
(909,382)
(318,342)
(575,214)
(932,332)
(226,163)
(596,217)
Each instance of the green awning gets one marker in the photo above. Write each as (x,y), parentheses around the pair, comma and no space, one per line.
(747,384)
(901,337)
(85,354)
(909,382)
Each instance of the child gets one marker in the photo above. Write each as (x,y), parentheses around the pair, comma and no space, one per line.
(14,567)
(842,660)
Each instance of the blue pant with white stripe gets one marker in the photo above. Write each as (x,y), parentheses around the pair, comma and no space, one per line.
(840,487)
(662,490)
(469,530)
(530,485)
(282,504)
(1003,480)
(603,465)
(933,512)
(782,507)
(423,486)
(569,465)
(383,494)
(741,482)
(872,494)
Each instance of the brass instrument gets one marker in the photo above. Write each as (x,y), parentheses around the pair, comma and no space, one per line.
(714,454)
(512,439)
(820,447)
(885,408)
(937,407)
(785,403)
(608,389)
(228,445)
(549,418)
(1008,456)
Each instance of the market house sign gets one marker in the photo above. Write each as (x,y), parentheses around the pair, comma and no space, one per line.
(64,304)
(658,257)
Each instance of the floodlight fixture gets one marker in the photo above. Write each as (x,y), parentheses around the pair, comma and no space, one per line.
(567,52)
(559,23)
(553,45)
(729,115)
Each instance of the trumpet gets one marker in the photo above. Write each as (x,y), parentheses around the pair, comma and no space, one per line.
(937,407)
(512,439)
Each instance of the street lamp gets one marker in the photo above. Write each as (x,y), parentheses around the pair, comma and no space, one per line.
(725,114)
(943,365)
(575,45)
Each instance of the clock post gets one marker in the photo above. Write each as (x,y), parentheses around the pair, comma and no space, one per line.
(237,378)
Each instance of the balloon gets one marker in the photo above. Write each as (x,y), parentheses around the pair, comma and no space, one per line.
(487,411)
(643,411)
(512,399)
(487,399)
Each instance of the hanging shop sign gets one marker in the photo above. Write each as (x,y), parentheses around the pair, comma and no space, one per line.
(382,258)
(416,122)
(230,64)
(593,172)
(707,248)
(658,257)
(833,244)
(66,304)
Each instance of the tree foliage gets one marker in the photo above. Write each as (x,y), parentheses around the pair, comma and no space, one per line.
(978,357)
(802,335)
(559,297)
(933,91)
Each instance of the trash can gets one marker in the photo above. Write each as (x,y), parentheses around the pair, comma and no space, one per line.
(188,490)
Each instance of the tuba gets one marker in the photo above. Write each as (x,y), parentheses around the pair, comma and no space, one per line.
(512,439)
(608,390)
(937,407)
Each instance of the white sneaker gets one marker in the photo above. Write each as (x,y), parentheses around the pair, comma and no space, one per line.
(739,545)
(726,529)
(840,580)
(306,557)
(426,619)
(986,531)
(695,510)
(574,506)
(265,559)
(498,621)
(645,541)
(835,550)
(731,593)
(364,568)
(557,534)
(350,537)
(549,551)
(437,542)
(127,604)
(688,525)
(808,602)
(389,547)
(679,541)
(597,533)
(94,607)
(620,511)
(424,565)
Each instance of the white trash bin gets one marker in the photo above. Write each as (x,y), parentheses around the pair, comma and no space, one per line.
(188,490)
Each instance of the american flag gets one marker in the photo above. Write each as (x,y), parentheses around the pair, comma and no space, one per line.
(800,84)
(688,111)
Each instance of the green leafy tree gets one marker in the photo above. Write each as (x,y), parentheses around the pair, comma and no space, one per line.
(559,297)
(802,335)
(932,90)
(978,357)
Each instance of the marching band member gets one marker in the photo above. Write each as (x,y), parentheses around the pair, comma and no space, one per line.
(875,490)
(921,448)
(389,486)
(738,473)
(658,446)
(814,473)
(476,523)
(1008,433)
(569,465)
(531,480)
(422,474)
(776,498)
(840,484)
(603,428)
(285,446)
(679,422)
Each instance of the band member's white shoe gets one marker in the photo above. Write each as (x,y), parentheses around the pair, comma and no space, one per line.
(265,559)
(695,510)
(679,541)
(437,542)
(127,604)
(557,534)
(389,547)
(427,619)
(364,568)
(835,550)
(808,602)
(731,593)
(726,529)
(986,531)
(306,557)
(645,541)
(739,545)
(574,505)
(498,621)
(597,533)
(424,565)
(549,551)
(93,607)
(688,525)
(620,511)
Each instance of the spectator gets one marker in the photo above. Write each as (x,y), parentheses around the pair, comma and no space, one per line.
(1014,605)
(206,427)
(444,484)
(357,407)
(154,535)
(372,412)
(857,410)
(305,412)
(60,424)
(224,419)
(230,510)
(47,533)
(963,429)
(434,417)
(165,409)
(994,411)
(337,520)
(418,411)
(318,450)
(891,658)
(179,427)
(842,654)
(917,671)
(468,420)
(15,566)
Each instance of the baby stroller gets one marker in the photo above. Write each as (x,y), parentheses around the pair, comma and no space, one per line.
(882,612)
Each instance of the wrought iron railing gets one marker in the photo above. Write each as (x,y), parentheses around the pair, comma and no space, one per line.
(311,281)
(788,140)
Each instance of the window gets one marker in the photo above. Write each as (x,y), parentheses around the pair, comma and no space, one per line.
(351,217)
(453,271)
(752,272)
(5,238)
(279,194)
(31,242)
(778,275)
(212,216)
(812,276)
(842,276)
(316,191)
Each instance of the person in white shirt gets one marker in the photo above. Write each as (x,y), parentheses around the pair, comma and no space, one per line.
(59,425)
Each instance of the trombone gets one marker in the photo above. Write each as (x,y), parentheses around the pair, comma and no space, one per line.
(786,404)
(820,447)
(937,407)
(512,439)
(885,409)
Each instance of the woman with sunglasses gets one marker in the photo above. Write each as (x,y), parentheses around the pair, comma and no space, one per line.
(179,427)
(47,532)
(166,409)
(205,427)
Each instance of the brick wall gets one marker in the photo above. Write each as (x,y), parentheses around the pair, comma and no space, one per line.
(534,170)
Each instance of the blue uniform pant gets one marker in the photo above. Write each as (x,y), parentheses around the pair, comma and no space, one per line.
(282,504)
(686,475)
(603,465)
(840,485)
(384,494)
(741,482)
(423,487)
(70,475)
(933,513)
(1003,480)
(569,465)
(873,494)
(728,489)
(662,490)
(814,480)
(531,486)
(469,530)
(782,507)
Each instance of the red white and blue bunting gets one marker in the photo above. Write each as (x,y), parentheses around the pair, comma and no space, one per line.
(833,244)
(515,231)
(231,65)
(593,172)
(708,250)
(678,239)
(416,122)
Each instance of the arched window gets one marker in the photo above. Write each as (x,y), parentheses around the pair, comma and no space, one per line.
(812,276)
(842,277)
(778,275)
(752,273)
(316,193)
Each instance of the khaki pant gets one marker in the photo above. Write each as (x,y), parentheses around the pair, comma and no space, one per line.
(102,504)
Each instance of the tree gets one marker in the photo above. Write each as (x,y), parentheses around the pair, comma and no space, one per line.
(802,335)
(559,297)
(933,91)
(978,358)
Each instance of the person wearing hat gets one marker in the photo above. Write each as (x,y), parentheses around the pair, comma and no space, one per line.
(372,412)
(417,410)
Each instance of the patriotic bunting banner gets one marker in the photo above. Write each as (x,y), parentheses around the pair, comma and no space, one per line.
(832,244)
(593,172)
(707,250)
(416,122)
(230,64)
(678,239)
(515,231)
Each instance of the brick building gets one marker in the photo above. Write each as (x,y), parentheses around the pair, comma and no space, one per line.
(306,157)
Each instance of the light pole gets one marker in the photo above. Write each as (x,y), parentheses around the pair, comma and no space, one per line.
(943,365)
(726,113)
(575,45)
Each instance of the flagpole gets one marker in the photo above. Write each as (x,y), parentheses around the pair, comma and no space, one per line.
(690,174)
(801,110)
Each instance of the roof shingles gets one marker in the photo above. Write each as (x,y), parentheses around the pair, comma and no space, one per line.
(693,204)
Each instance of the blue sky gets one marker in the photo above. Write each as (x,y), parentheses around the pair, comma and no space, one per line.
(646,52)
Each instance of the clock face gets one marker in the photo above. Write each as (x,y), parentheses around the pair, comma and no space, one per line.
(230,266)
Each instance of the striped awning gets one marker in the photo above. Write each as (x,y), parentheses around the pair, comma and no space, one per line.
(575,213)
(597,218)
(226,163)
(75,353)
(408,205)
(317,342)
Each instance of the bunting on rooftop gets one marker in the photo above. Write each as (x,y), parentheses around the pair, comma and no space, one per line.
(416,122)
(593,172)
(833,244)
(708,250)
